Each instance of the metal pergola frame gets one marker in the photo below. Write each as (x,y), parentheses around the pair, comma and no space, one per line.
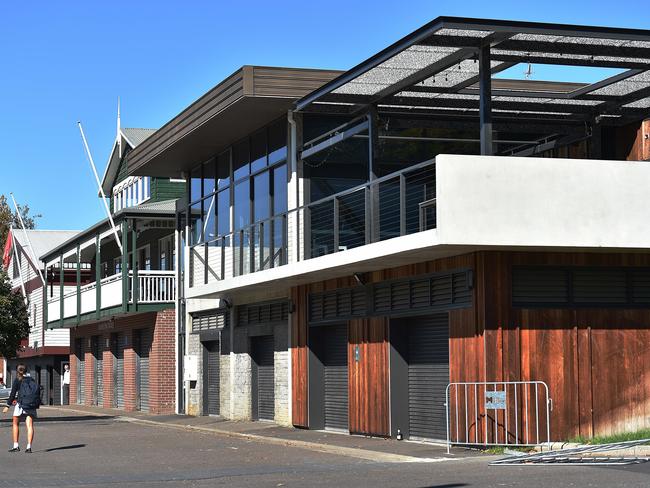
(445,68)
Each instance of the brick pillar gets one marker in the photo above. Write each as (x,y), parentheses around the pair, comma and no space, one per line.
(129,373)
(161,364)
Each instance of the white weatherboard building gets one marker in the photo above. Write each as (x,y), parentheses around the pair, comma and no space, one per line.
(44,351)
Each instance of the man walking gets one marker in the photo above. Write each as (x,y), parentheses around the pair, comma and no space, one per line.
(66,384)
(25,397)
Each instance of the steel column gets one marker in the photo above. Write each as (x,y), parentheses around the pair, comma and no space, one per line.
(134,265)
(78,283)
(485,109)
(98,277)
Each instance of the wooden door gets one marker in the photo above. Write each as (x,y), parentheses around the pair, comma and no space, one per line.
(369,379)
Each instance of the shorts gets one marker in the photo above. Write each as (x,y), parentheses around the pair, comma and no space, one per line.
(19,412)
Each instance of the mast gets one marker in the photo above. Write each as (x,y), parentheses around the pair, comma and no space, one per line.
(101,190)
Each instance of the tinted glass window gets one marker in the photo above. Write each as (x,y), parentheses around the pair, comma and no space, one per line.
(223,213)
(195,184)
(278,142)
(240,160)
(242,204)
(223,170)
(280,189)
(209,212)
(209,175)
(196,223)
(258,151)
(262,199)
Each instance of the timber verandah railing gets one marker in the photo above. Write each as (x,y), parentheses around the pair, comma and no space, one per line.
(398,204)
(153,287)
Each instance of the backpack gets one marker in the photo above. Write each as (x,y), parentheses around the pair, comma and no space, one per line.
(29,394)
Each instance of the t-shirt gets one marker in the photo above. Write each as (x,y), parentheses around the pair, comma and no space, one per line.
(66,377)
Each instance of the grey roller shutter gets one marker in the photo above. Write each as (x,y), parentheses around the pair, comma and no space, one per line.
(264,377)
(213,377)
(144,349)
(81,373)
(98,384)
(119,371)
(428,375)
(335,366)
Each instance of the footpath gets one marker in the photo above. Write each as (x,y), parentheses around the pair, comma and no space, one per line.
(360,447)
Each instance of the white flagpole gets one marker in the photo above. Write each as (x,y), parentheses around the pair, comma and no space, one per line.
(31,248)
(99,184)
(20,271)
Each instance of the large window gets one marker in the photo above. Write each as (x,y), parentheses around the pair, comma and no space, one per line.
(242,191)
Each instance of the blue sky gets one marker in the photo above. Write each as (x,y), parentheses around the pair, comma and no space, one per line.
(69,61)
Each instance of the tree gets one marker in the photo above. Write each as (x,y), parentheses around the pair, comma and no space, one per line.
(8,218)
(14,324)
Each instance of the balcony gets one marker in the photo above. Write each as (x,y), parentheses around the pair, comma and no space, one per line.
(152,288)
(398,204)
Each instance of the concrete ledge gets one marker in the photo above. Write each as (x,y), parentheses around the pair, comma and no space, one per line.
(637,451)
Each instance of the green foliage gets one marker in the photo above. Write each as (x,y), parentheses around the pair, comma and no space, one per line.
(14,324)
(9,217)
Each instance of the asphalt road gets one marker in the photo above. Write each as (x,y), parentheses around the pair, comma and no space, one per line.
(84,451)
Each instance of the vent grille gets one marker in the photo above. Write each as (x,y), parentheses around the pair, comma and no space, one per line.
(580,287)
(438,292)
(214,320)
(263,313)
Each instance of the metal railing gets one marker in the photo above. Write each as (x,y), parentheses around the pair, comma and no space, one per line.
(498,413)
(398,204)
(154,286)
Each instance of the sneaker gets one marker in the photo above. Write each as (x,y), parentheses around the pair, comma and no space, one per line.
(14,449)
(28,450)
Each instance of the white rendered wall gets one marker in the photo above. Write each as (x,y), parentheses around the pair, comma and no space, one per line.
(508,201)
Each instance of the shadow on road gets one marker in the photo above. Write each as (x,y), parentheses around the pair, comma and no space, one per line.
(448,485)
(74,418)
(63,448)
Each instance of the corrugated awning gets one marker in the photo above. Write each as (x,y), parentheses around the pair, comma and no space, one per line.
(436,69)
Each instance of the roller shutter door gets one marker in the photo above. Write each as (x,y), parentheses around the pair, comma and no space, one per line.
(263,377)
(81,373)
(98,369)
(144,350)
(428,375)
(212,351)
(335,368)
(119,371)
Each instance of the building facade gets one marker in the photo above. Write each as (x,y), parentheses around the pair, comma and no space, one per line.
(354,242)
(121,313)
(44,351)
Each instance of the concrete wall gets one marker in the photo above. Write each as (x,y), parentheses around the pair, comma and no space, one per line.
(235,373)
(508,201)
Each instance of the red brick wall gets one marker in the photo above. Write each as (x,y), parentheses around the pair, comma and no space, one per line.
(161,360)
(161,364)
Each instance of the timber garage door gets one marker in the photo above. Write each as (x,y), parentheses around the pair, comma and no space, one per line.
(263,376)
(212,379)
(335,372)
(143,348)
(428,375)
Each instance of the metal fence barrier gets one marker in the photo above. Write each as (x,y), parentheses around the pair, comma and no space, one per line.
(498,413)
